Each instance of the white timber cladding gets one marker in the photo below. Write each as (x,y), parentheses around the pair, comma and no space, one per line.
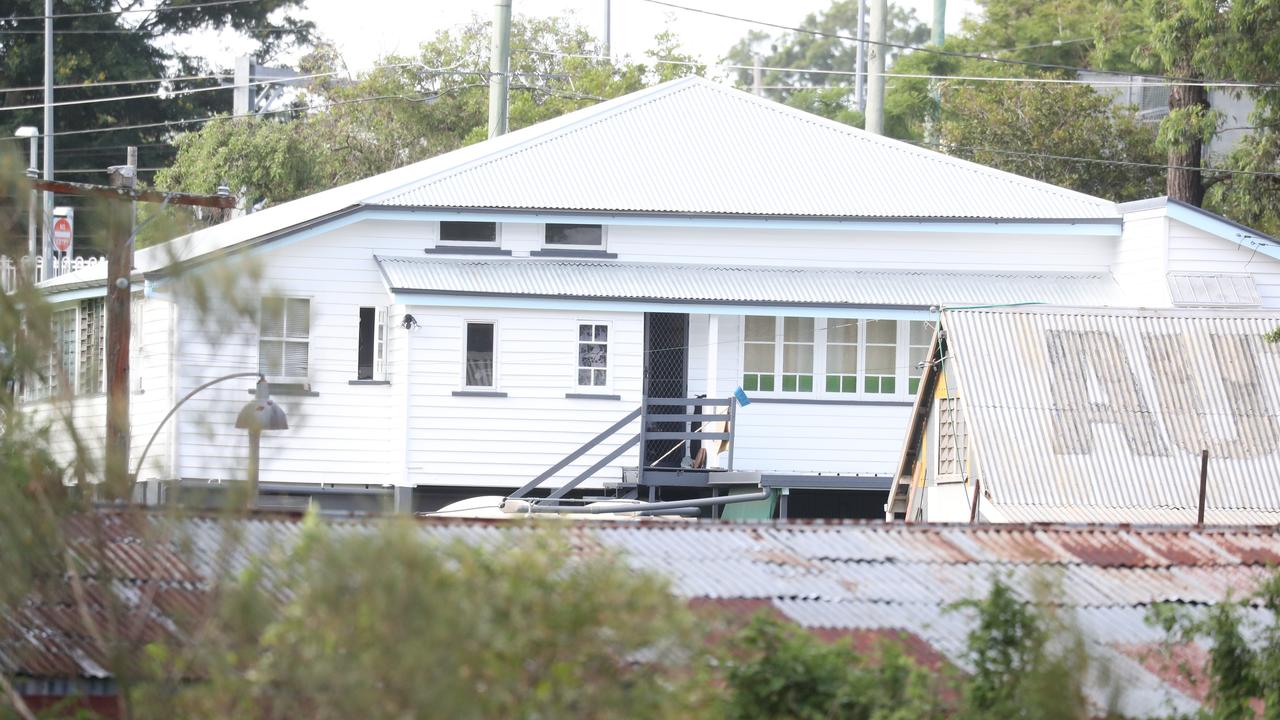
(1194,250)
(461,439)
(1141,258)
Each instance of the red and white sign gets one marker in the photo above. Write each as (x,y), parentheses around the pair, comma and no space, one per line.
(62,234)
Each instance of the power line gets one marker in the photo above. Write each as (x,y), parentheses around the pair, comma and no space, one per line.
(124,31)
(1049,156)
(163,8)
(929,48)
(107,83)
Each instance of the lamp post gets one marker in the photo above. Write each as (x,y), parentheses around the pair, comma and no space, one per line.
(33,134)
(260,414)
(267,417)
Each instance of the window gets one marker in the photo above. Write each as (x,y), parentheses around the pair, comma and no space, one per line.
(93,345)
(842,355)
(468,232)
(920,334)
(479,358)
(284,326)
(881,361)
(758,351)
(828,356)
(575,235)
(797,354)
(371,351)
(59,363)
(593,355)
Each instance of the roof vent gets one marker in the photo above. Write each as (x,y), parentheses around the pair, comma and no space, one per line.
(1197,289)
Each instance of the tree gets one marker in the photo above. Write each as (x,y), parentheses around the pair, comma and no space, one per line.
(126,40)
(410,108)
(808,87)
(1022,128)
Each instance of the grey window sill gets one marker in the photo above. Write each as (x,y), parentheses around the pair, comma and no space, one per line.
(289,390)
(574,253)
(368,382)
(821,401)
(478,393)
(465,250)
(591,396)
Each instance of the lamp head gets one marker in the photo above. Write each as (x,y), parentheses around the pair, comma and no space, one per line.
(262,413)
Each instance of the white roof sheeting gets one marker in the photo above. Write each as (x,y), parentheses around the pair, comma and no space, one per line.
(695,146)
(581,278)
(1100,415)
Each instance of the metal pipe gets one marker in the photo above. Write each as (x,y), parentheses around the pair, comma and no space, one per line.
(602,508)
(1204,482)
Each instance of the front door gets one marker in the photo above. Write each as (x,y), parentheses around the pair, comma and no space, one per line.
(666,375)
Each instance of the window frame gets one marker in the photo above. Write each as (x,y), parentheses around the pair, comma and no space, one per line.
(281,377)
(442,241)
(902,354)
(493,351)
(601,246)
(607,387)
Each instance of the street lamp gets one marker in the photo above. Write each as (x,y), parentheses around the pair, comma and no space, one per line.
(32,133)
(260,414)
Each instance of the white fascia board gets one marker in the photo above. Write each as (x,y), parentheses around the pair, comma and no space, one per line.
(1221,228)
(517,302)
(78,294)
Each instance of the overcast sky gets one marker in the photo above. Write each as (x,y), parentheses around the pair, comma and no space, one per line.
(365,31)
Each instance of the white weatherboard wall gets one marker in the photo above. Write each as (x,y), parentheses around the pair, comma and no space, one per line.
(1194,250)
(506,441)
(345,433)
(1141,258)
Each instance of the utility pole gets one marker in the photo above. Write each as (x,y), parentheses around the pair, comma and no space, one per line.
(757,76)
(249,76)
(608,28)
(499,64)
(119,293)
(875,69)
(931,130)
(46,254)
(860,59)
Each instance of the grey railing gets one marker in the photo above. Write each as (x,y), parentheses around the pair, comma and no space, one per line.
(647,417)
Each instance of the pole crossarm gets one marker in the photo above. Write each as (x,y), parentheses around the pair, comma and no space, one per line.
(173,198)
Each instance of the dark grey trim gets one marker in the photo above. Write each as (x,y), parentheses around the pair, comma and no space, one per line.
(747,216)
(368,382)
(817,401)
(873,483)
(290,390)
(664,301)
(478,393)
(591,396)
(570,253)
(465,250)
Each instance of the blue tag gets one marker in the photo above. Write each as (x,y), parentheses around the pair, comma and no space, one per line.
(741,394)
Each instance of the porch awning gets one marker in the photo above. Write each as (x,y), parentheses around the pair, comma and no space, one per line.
(589,279)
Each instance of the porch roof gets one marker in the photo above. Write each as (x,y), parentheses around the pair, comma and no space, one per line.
(578,278)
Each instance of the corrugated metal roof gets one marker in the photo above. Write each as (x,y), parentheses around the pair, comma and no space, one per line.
(695,146)
(1100,415)
(579,278)
(854,576)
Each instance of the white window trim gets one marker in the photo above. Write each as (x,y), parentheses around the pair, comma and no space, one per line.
(607,387)
(462,352)
(902,354)
(602,247)
(495,242)
(311,324)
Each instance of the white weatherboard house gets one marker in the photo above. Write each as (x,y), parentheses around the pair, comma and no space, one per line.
(458,326)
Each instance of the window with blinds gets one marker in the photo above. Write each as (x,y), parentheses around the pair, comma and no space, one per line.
(284,341)
(952,439)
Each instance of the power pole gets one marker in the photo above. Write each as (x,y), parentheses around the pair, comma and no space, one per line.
(256,86)
(757,76)
(608,28)
(119,294)
(860,59)
(931,130)
(46,253)
(499,64)
(875,70)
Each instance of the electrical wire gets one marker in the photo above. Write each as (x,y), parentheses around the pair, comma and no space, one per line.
(1134,163)
(925,48)
(162,8)
(108,83)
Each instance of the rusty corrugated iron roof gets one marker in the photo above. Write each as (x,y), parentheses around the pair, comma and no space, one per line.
(838,578)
